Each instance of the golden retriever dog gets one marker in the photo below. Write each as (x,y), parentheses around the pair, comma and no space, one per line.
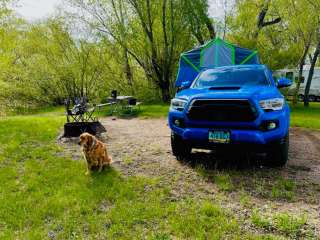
(95,152)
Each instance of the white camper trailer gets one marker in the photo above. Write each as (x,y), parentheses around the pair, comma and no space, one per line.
(292,74)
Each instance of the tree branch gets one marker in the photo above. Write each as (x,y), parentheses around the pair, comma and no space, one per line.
(275,21)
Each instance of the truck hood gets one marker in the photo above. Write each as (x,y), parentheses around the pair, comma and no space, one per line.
(254,93)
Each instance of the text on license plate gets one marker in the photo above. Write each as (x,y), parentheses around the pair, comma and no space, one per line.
(218,136)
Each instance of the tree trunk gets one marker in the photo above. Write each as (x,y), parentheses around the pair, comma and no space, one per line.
(127,70)
(165,91)
(301,65)
(311,71)
(210,27)
(199,37)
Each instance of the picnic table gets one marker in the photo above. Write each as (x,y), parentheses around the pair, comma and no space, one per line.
(120,102)
(121,98)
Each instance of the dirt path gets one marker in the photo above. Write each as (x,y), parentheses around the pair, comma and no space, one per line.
(142,148)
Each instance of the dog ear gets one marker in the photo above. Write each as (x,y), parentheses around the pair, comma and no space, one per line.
(89,140)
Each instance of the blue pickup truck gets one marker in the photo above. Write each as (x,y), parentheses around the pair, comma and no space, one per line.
(235,105)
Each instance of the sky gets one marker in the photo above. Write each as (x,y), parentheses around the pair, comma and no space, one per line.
(36,9)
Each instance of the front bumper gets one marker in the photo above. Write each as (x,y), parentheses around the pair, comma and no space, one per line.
(241,132)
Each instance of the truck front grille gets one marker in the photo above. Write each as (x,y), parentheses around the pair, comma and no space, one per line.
(222,110)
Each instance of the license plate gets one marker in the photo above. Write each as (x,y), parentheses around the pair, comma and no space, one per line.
(218,136)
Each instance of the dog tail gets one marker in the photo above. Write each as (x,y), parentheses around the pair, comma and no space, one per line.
(110,159)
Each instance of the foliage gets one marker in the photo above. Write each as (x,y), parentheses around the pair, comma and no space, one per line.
(274,43)
(134,46)
(288,42)
(152,33)
(50,65)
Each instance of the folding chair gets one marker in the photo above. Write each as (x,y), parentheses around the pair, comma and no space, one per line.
(89,113)
(129,107)
(72,114)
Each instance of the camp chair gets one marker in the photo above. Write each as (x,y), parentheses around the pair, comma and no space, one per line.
(88,114)
(131,106)
(72,114)
(87,111)
(80,112)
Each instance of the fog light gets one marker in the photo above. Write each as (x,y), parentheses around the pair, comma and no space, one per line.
(271,125)
(177,122)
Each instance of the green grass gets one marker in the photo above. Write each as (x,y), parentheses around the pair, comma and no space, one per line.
(154,111)
(306,117)
(260,221)
(283,189)
(224,182)
(51,110)
(45,194)
(288,224)
(144,111)
(284,223)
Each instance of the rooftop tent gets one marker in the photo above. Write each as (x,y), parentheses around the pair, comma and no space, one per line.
(215,53)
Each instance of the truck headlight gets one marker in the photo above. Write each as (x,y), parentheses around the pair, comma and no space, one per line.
(178,104)
(272,104)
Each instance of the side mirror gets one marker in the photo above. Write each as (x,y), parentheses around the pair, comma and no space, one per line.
(184,85)
(284,82)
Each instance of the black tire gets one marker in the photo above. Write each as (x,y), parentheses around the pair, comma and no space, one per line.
(180,148)
(277,155)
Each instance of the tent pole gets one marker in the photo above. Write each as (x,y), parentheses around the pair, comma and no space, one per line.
(190,63)
(249,57)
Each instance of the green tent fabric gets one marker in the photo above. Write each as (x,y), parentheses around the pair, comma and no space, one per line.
(215,53)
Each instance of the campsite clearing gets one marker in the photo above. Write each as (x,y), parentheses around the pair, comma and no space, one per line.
(47,195)
(142,148)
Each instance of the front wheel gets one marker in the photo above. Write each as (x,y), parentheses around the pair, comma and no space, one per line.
(180,148)
(278,153)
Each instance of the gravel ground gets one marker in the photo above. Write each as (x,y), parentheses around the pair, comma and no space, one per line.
(141,147)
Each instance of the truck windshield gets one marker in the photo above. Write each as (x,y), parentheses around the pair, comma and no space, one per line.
(231,78)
